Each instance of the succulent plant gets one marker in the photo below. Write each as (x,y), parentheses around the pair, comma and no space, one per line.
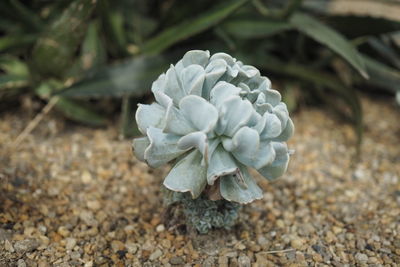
(216,117)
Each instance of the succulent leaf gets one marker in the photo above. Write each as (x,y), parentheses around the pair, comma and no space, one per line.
(199,112)
(234,114)
(221,164)
(177,123)
(188,175)
(279,165)
(286,133)
(195,139)
(232,189)
(150,115)
(162,149)
(273,126)
(139,146)
(193,79)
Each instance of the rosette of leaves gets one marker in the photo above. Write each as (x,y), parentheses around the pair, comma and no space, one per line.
(216,117)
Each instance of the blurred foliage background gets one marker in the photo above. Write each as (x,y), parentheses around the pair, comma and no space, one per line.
(93,59)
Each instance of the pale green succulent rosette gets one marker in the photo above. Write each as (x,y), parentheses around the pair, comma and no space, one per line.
(217,117)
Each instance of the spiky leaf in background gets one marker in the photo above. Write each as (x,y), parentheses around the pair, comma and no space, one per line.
(54,52)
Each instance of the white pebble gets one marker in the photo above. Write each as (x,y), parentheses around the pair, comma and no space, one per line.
(160,228)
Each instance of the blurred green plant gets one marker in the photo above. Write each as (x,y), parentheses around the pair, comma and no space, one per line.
(85,51)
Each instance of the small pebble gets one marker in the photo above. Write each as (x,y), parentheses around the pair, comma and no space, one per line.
(117,245)
(209,262)
(94,205)
(75,255)
(262,241)
(26,245)
(70,243)
(361,257)
(8,246)
(160,228)
(223,261)
(21,263)
(4,235)
(176,260)
(244,261)
(132,247)
(297,243)
(155,255)
(63,231)
(86,177)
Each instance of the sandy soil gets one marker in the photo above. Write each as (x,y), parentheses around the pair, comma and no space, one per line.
(75,196)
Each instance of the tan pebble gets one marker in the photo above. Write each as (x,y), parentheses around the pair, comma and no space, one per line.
(195,255)
(30,256)
(155,255)
(117,245)
(115,259)
(87,217)
(231,254)
(373,260)
(317,257)
(179,238)
(132,247)
(44,240)
(101,216)
(43,264)
(146,254)
(244,235)
(387,259)
(88,264)
(170,237)
(93,205)
(397,251)
(297,243)
(92,231)
(29,231)
(23,217)
(240,246)
(86,177)
(63,231)
(349,236)
(166,243)
(299,256)
(155,221)
(129,256)
(330,237)
(186,251)
(70,243)
(255,248)
(88,249)
(223,261)
(179,252)
(361,257)
(280,223)
(8,246)
(337,230)
(18,237)
(55,237)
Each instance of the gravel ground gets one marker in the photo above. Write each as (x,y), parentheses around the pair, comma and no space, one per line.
(75,196)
